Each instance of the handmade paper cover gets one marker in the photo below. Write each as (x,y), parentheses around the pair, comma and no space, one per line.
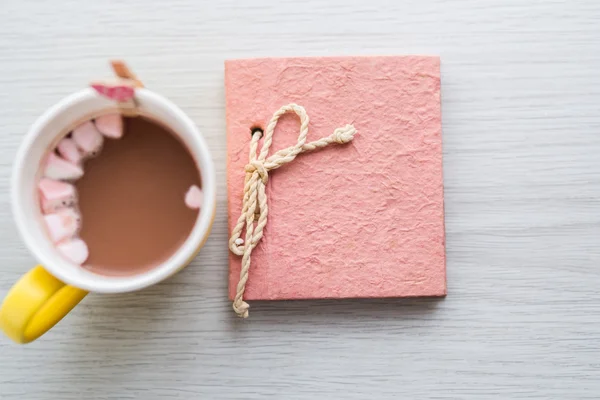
(364,219)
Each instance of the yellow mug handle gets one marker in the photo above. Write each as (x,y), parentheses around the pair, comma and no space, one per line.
(35,304)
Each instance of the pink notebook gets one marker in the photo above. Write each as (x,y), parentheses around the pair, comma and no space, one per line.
(364,219)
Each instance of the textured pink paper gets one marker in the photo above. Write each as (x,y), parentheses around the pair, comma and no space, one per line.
(364,219)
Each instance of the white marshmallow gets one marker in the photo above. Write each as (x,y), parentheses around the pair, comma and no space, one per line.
(60,169)
(55,195)
(62,224)
(88,139)
(193,197)
(74,250)
(110,125)
(69,151)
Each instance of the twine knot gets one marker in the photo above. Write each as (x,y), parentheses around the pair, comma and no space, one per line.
(253,217)
(259,167)
(241,309)
(344,135)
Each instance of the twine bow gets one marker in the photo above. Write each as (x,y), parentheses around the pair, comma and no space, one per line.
(254,208)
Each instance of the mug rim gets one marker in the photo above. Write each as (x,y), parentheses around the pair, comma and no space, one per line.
(86,279)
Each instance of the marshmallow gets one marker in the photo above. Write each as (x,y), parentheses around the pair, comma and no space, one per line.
(56,195)
(62,224)
(60,169)
(110,125)
(88,139)
(74,250)
(69,151)
(193,197)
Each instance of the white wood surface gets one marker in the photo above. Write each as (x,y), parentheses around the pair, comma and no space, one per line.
(521,124)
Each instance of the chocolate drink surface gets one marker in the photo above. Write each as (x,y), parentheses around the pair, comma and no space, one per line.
(131,199)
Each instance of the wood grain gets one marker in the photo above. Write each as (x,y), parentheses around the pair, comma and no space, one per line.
(521,130)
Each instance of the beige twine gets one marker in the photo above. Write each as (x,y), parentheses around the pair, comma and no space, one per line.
(255,199)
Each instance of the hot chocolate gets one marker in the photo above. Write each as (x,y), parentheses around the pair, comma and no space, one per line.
(131,199)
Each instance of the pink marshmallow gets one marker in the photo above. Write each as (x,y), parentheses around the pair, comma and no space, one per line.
(60,169)
(69,151)
(193,197)
(74,250)
(56,195)
(118,90)
(110,125)
(62,224)
(88,139)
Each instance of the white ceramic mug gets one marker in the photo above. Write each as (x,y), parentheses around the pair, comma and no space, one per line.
(49,291)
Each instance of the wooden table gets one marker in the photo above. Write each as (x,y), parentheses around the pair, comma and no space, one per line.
(521,124)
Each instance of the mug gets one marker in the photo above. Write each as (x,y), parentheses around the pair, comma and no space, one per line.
(44,295)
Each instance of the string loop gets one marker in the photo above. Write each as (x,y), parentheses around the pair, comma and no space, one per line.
(253,216)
